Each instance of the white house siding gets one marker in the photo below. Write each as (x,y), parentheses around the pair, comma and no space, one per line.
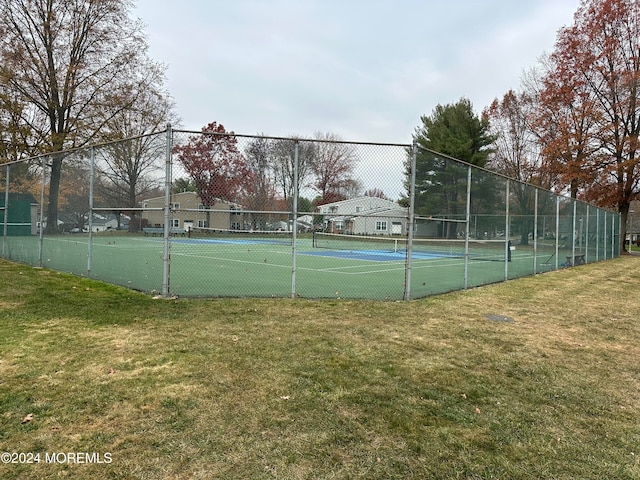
(365,216)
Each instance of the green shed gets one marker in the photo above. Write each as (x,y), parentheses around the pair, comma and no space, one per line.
(22,214)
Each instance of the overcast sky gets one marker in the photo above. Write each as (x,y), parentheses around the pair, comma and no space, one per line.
(365,70)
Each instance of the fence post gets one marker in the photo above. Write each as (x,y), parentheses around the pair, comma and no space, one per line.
(613,234)
(535,231)
(294,208)
(467,230)
(598,235)
(507,232)
(573,233)
(557,230)
(5,212)
(411,220)
(166,262)
(586,235)
(41,232)
(604,228)
(91,183)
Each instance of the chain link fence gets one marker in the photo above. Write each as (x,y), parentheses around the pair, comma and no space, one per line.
(210,214)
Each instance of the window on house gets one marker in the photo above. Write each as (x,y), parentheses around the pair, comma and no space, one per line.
(175,223)
(381,226)
(202,224)
(176,206)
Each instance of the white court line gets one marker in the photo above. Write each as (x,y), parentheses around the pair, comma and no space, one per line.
(113,244)
(339,270)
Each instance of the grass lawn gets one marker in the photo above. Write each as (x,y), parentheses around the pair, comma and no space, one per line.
(298,389)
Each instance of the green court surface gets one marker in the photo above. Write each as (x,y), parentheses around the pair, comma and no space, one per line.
(264,267)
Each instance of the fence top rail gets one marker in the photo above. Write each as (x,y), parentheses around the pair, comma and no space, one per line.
(4,161)
(296,139)
(126,209)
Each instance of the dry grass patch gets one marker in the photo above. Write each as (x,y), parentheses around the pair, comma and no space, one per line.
(306,389)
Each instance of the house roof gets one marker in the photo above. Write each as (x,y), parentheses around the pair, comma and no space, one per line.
(372,202)
(18,197)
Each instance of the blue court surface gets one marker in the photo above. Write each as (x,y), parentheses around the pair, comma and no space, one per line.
(375,255)
(232,241)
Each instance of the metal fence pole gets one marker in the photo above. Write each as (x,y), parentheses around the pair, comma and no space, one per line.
(5,215)
(597,235)
(467,230)
(294,208)
(604,228)
(41,232)
(535,231)
(573,233)
(91,184)
(411,220)
(613,233)
(166,263)
(557,230)
(507,233)
(586,236)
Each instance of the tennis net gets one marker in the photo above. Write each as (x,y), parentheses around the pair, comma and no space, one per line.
(494,250)
(273,237)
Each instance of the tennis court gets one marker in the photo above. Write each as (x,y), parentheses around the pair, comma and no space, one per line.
(233,236)
(262,265)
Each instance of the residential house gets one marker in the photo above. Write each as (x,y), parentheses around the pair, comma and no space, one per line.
(189,212)
(364,216)
(103,223)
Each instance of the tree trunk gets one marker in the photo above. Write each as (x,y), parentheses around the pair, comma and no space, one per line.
(132,203)
(54,189)
(624,215)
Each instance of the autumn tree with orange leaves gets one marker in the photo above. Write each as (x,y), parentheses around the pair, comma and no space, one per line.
(589,118)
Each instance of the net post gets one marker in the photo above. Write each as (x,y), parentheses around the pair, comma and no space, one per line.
(294,208)
(411,220)
(167,213)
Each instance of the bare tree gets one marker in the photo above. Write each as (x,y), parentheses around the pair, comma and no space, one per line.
(258,155)
(377,193)
(134,153)
(284,164)
(74,64)
(516,153)
(515,150)
(333,166)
